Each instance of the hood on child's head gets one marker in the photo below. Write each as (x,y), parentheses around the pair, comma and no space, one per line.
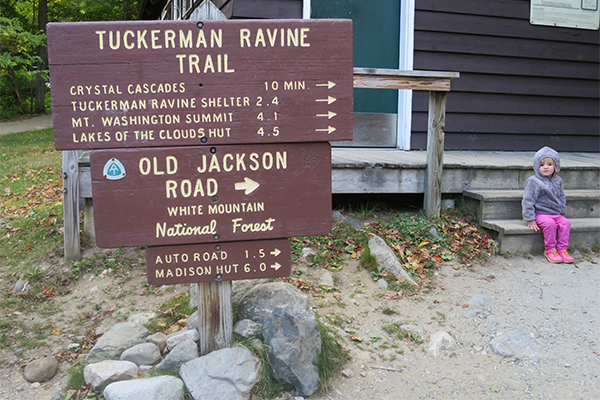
(545,152)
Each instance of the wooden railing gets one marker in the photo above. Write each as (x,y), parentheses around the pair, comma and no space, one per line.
(78,183)
(437,83)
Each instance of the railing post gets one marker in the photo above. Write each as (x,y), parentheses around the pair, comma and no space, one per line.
(436,122)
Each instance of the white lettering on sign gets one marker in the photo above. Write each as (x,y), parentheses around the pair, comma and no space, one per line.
(162,230)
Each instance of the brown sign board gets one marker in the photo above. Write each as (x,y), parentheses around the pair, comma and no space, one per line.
(192,83)
(228,261)
(180,195)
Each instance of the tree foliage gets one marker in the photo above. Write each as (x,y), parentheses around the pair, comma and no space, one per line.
(18,56)
(23,57)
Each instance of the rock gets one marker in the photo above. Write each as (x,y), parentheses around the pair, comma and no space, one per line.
(57,396)
(238,289)
(307,253)
(142,354)
(386,258)
(478,300)
(241,287)
(141,318)
(180,337)
(101,374)
(448,204)
(347,373)
(21,286)
(293,344)
(247,328)
(41,370)
(159,339)
(516,344)
(229,373)
(193,322)
(158,388)
(382,283)
(338,216)
(116,340)
(326,279)
(182,353)
(441,342)
(433,232)
(411,329)
(261,300)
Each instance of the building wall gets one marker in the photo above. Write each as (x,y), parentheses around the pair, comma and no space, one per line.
(521,87)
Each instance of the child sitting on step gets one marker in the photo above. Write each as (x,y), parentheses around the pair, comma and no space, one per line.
(544,205)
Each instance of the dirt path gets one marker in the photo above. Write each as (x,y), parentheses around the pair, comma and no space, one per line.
(552,309)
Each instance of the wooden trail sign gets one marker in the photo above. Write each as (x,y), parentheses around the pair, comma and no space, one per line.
(181,195)
(189,83)
(226,261)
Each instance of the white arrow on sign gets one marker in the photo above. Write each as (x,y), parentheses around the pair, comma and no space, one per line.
(276,252)
(329,99)
(329,129)
(276,266)
(329,115)
(329,84)
(248,185)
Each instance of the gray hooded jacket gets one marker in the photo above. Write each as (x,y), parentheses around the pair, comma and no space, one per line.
(544,195)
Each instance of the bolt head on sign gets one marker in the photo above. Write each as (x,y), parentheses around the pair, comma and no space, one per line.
(188,83)
(183,195)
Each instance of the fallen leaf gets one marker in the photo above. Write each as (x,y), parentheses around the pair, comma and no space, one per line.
(56,332)
(356,338)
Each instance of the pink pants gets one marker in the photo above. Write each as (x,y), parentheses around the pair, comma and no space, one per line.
(556,230)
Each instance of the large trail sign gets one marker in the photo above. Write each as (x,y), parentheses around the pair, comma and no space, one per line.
(178,195)
(190,83)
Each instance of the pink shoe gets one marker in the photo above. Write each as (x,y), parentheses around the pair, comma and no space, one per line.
(565,256)
(553,256)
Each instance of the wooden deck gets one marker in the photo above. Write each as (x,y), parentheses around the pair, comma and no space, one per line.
(359,170)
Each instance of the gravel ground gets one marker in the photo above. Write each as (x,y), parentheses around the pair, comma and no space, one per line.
(551,311)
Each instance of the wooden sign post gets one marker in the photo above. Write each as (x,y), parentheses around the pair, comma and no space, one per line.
(211,141)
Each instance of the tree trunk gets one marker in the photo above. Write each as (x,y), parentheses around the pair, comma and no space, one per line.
(40,86)
(126,10)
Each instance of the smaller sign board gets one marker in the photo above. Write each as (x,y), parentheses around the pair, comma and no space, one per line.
(168,265)
(183,195)
(580,14)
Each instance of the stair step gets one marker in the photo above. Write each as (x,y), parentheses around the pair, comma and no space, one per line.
(515,237)
(506,204)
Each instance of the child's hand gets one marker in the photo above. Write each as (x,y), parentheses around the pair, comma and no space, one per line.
(533,225)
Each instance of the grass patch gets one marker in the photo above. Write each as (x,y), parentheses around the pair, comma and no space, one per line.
(332,358)
(30,199)
(172,311)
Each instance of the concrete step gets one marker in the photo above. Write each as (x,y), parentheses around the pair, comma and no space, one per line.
(506,204)
(514,237)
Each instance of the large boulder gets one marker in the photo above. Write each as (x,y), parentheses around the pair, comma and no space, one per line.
(293,344)
(158,388)
(261,300)
(229,373)
(290,332)
(116,340)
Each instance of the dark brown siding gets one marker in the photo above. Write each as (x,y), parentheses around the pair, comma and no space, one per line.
(521,87)
(234,9)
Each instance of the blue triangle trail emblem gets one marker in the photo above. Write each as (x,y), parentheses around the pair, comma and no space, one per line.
(113,170)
